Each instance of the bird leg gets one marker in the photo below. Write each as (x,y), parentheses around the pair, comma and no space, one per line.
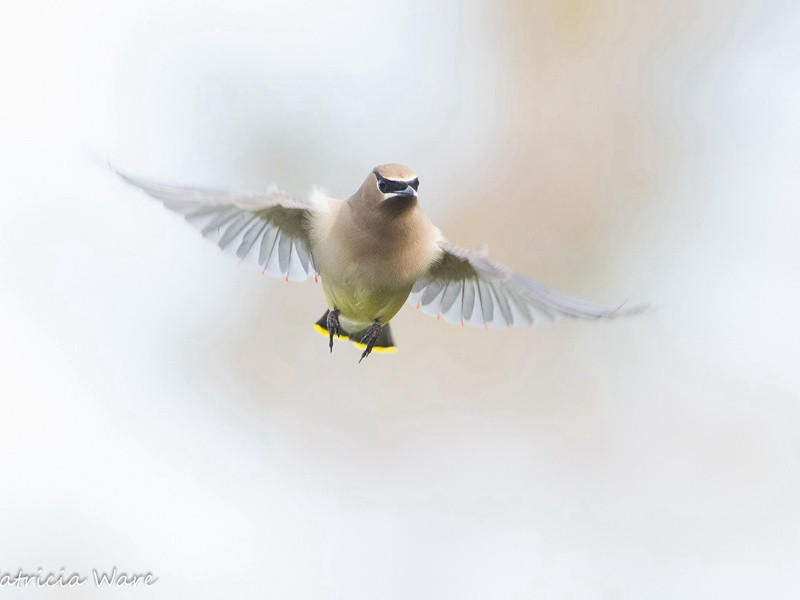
(369,339)
(333,326)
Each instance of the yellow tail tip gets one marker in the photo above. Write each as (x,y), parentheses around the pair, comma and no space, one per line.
(379,349)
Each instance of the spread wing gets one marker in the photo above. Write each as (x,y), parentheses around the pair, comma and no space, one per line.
(268,230)
(467,287)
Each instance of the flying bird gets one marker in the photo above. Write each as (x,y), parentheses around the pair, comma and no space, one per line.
(372,252)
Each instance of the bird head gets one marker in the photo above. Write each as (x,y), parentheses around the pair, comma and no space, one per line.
(392,182)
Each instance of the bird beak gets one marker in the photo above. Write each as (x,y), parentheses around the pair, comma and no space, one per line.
(409,192)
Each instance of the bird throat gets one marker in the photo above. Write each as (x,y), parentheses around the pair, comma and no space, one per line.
(398,206)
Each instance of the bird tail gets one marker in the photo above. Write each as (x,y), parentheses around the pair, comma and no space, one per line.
(384,343)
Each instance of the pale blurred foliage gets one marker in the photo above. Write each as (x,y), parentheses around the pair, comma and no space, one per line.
(165,410)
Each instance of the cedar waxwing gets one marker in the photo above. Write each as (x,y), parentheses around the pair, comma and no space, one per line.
(372,252)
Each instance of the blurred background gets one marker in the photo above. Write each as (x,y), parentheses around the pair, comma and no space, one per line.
(164,410)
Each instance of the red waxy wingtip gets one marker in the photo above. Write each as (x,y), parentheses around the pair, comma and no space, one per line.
(316,279)
(418,306)
(287,279)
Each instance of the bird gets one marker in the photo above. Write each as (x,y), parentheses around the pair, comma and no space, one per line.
(372,253)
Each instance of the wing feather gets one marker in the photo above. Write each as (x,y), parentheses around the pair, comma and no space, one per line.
(467,300)
(449,297)
(505,318)
(250,238)
(467,286)
(269,230)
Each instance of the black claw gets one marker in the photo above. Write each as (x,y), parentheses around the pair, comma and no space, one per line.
(369,339)
(332,323)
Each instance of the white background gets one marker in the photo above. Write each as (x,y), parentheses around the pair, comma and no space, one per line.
(164,410)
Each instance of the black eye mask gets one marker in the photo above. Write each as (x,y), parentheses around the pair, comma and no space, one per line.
(387,186)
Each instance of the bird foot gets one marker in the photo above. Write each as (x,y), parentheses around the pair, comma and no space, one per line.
(332,323)
(369,339)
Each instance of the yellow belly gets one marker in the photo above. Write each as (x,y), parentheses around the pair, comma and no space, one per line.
(359,306)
